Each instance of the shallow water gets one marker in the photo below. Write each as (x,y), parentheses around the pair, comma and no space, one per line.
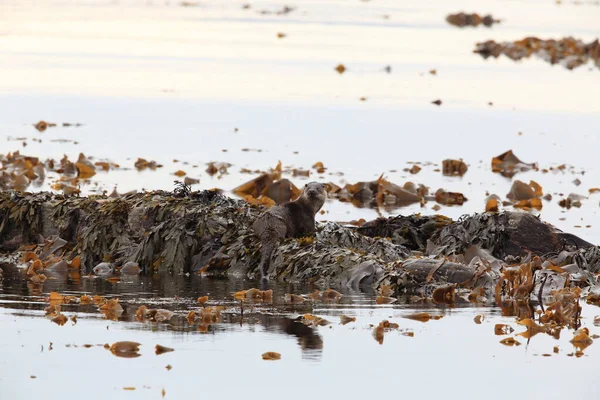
(157,80)
(451,357)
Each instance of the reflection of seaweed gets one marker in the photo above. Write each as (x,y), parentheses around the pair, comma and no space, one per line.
(309,339)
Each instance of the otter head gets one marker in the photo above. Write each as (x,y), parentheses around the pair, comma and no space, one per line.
(316,194)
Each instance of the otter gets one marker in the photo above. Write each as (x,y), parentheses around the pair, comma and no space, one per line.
(293,219)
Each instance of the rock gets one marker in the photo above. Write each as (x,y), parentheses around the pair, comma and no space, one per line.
(505,234)
(130,268)
(103,269)
(208,233)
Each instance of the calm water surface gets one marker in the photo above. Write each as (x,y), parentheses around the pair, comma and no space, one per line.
(157,80)
(452,357)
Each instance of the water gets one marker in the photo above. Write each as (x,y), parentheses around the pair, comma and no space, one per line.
(452,356)
(164,82)
(157,80)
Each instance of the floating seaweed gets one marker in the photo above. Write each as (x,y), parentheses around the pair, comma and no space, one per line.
(568,52)
(462,19)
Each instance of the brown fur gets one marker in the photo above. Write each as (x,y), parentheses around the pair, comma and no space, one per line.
(293,219)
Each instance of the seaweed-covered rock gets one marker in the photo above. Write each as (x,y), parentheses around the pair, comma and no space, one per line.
(184,232)
(159,230)
(210,234)
(386,250)
(336,256)
(423,275)
(586,258)
(505,234)
(411,231)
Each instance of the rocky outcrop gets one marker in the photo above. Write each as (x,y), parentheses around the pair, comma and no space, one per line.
(207,233)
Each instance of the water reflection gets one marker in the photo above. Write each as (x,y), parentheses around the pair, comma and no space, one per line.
(226,332)
(514,308)
(174,295)
(309,341)
(165,303)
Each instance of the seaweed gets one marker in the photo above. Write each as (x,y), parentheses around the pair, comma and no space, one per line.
(210,234)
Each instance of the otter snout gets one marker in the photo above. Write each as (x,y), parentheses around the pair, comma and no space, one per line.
(315,189)
(313,192)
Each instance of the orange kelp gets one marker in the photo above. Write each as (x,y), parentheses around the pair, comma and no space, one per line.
(462,19)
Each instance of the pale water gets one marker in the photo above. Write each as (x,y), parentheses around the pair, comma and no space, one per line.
(161,81)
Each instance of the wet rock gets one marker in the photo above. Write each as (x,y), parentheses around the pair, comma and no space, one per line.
(415,272)
(57,267)
(505,234)
(85,168)
(337,235)
(207,233)
(52,245)
(424,276)
(104,269)
(130,268)
(162,315)
(411,231)
(142,164)
(364,276)
(257,186)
